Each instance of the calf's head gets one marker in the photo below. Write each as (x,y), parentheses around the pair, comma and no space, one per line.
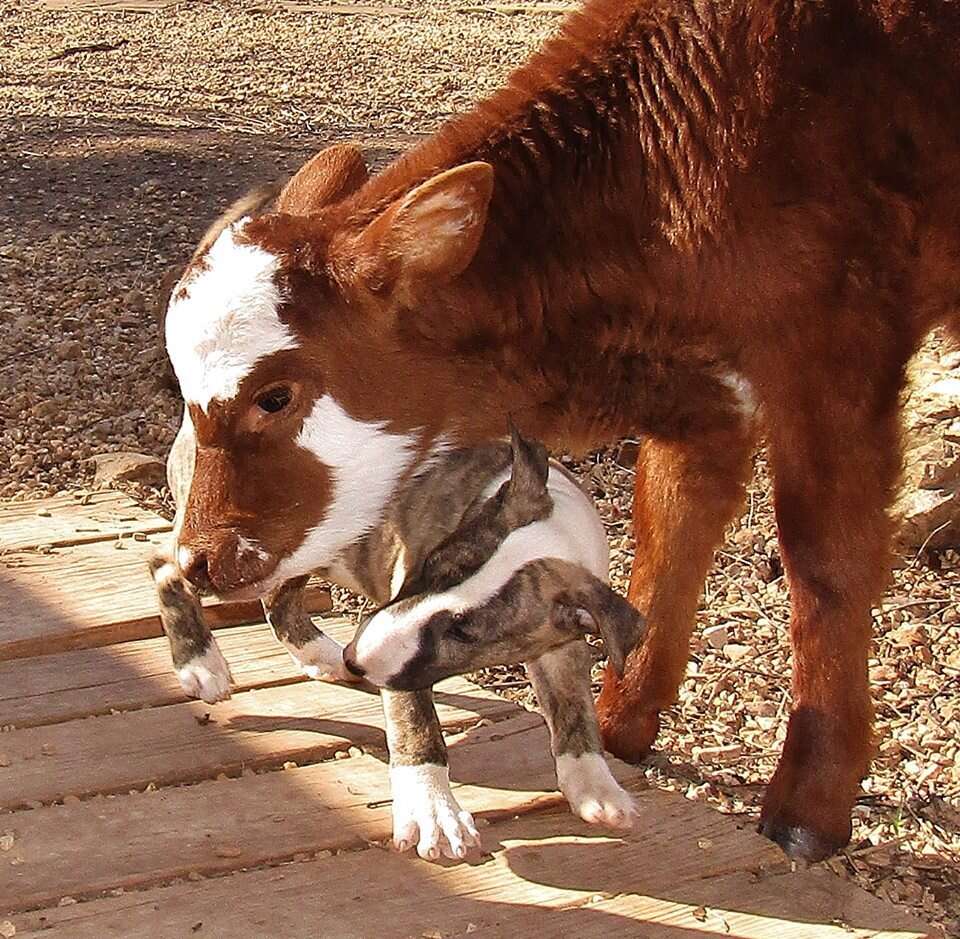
(305,407)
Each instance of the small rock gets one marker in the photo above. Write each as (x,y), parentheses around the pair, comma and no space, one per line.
(68,349)
(736,652)
(228,850)
(134,301)
(126,466)
(6,841)
(717,754)
(950,360)
(908,635)
(7,929)
(883,673)
(67,901)
(717,636)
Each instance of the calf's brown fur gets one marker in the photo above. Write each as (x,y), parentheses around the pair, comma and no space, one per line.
(694,221)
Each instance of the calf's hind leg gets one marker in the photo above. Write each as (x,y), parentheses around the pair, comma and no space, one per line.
(833,483)
(686,492)
(561,680)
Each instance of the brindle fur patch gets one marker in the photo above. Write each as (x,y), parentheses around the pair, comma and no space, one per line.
(536,611)
(521,500)
(287,617)
(413,728)
(180,614)
(561,680)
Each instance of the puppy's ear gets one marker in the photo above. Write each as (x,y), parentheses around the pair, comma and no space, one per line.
(598,610)
(529,468)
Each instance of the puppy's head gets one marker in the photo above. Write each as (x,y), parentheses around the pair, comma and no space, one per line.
(417,641)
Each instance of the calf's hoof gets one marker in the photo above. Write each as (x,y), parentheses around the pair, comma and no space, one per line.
(799,842)
(629,737)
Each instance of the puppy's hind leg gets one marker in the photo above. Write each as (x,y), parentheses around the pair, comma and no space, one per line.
(561,680)
(200,666)
(313,650)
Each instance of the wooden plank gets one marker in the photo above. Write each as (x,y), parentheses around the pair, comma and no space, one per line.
(680,874)
(131,675)
(75,518)
(88,595)
(228,824)
(117,752)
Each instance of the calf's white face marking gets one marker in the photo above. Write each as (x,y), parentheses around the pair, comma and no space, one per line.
(573,532)
(227,319)
(366,464)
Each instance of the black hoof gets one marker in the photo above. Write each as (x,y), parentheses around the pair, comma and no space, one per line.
(798,843)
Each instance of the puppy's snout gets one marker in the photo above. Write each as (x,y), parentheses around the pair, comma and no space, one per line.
(350,662)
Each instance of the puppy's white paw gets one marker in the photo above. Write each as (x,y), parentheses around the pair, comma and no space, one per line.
(593,793)
(207,676)
(426,814)
(321,658)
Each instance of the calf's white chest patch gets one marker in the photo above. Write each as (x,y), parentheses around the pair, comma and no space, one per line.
(226,319)
(366,464)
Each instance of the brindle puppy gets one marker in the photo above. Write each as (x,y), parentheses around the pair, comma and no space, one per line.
(445,524)
(498,592)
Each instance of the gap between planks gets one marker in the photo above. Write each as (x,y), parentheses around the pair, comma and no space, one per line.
(188,742)
(685,871)
(500,770)
(73,519)
(64,686)
(89,595)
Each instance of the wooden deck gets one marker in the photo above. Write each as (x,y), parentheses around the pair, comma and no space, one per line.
(128,811)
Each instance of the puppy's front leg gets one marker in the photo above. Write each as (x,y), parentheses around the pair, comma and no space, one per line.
(561,680)
(200,666)
(312,649)
(425,812)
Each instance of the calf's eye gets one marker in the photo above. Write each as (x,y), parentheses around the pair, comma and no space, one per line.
(274,400)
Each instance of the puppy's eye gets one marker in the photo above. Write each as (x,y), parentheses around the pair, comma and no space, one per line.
(274,400)
(457,633)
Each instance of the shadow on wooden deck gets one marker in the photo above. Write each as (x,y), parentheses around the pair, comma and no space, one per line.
(262,815)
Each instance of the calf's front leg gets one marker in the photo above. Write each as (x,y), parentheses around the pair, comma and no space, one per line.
(425,813)
(197,660)
(561,680)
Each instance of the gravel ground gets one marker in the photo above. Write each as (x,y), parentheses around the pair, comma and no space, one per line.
(116,157)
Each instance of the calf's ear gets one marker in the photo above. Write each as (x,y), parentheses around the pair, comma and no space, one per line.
(619,624)
(330,176)
(429,236)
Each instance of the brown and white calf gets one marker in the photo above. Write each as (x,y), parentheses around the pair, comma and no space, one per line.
(695,221)
(492,555)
